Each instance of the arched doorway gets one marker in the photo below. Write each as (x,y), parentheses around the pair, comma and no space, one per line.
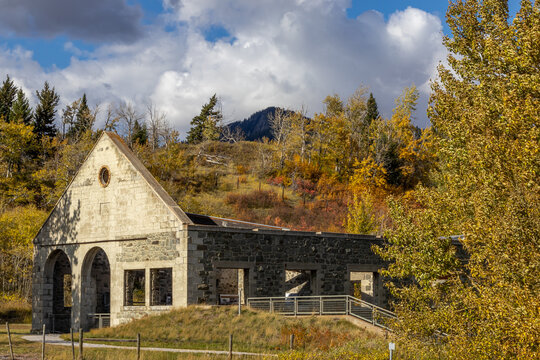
(58,292)
(96,289)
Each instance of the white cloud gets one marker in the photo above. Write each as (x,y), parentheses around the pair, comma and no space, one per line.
(285,54)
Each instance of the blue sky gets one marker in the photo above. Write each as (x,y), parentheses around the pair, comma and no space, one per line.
(52,52)
(253,54)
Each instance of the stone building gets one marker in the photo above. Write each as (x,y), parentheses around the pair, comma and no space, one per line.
(116,243)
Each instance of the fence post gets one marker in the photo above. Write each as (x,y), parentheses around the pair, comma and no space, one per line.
(320,305)
(271,305)
(43,344)
(138,346)
(81,334)
(291,342)
(230,346)
(100,321)
(373,314)
(9,340)
(72,344)
(295,306)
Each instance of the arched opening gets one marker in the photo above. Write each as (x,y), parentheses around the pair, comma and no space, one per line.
(96,290)
(58,292)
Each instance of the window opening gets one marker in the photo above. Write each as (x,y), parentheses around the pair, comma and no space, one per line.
(229,282)
(68,300)
(161,286)
(104,176)
(362,285)
(134,287)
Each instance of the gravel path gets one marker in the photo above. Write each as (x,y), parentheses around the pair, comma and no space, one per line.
(54,339)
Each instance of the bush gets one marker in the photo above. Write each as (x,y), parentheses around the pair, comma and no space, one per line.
(256,199)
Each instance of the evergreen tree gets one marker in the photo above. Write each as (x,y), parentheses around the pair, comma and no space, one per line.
(203,124)
(79,118)
(21,110)
(8,91)
(140,133)
(46,111)
(372,110)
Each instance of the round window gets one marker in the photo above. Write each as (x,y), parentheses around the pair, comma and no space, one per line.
(104,176)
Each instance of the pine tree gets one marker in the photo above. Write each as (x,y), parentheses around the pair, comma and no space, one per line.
(140,133)
(203,124)
(79,118)
(21,110)
(8,91)
(46,111)
(372,110)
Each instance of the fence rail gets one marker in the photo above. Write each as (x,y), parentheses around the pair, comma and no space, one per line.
(325,305)
(101,320)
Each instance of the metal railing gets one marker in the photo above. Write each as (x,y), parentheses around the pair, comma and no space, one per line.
(325,305)
(100,320)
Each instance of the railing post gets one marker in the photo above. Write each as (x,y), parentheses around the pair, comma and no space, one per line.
(100,321)
(271,305)
(320,305)
(295,306)
(373,314)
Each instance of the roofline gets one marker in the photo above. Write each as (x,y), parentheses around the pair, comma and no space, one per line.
(285,232)
(165,197)
(241,222)
(115,138)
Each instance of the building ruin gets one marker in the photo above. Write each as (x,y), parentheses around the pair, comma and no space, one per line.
(116,246)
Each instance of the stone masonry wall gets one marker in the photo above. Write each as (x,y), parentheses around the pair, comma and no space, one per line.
(128,218)
(269,253)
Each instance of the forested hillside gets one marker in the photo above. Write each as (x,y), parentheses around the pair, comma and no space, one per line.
(256,127)
(329,173)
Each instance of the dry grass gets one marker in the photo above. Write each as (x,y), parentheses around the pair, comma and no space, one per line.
(26,350)
(15,311)
(209,328)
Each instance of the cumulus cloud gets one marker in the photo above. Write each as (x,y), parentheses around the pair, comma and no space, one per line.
(284,53)
(97,20)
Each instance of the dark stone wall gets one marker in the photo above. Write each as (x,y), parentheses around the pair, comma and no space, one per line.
(268,253)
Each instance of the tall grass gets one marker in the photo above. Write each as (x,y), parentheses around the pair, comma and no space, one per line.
(15,311)
(209,328)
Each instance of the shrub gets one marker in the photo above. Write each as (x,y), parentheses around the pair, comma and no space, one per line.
(255,199)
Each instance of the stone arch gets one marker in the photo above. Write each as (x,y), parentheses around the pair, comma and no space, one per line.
(58,292)
(95,287)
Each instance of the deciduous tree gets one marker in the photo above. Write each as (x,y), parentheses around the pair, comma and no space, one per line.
(485,110)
